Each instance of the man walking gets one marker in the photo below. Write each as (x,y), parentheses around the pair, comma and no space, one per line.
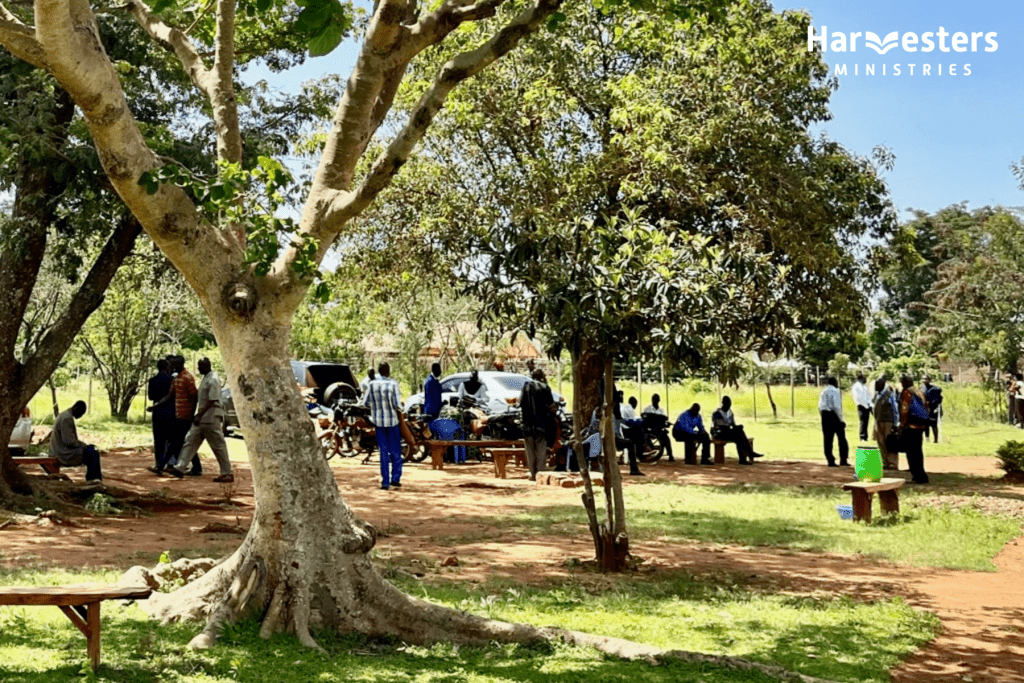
(383,399)
(862,399)
(432,392)
(69,451)
(208,425)
(830,405)
(537,404)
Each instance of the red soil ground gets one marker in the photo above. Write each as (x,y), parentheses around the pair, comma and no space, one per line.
(458,511)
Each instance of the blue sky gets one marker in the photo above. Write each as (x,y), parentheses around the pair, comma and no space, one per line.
(954,137)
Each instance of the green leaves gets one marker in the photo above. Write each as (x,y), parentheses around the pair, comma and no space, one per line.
(323,23)
(252,199)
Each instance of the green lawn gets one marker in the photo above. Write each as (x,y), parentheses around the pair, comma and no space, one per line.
(828,637)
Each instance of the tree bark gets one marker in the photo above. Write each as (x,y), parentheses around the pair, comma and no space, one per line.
(775,410)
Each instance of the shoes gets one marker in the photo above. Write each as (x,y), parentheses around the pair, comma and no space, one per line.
(156,470)
(638,473)
(757,455)
(706,462)
(396,485)
(194,473)
(746,462)
(832,463)
(671,459)
(175,472)
(383,488)
(223,479)
(844,463)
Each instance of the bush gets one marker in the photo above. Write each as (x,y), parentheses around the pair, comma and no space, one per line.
(1011,456)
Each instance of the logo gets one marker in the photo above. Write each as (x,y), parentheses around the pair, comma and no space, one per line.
(959,41)
(882,46)
(909,42)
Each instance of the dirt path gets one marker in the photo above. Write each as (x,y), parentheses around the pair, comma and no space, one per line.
(458,512)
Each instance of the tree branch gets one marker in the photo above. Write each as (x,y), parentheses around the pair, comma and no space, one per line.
(89,296)
(20,39)
(175,40)
(222,98)
(463,66)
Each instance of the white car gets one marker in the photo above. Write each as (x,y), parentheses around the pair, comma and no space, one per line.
(21,437)
(503,390)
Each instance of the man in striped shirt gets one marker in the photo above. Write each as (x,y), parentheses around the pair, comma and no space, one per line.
(383,399)
(830,405)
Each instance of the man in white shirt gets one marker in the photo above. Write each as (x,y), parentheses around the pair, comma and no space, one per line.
(628,409)
(830,405)
(862,399)
(661,434)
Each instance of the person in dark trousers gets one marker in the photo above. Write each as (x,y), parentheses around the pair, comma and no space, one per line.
(933,395)
(862,399)
(914,420)
(183,396)
(538,408)
(724,428)
(628,435)
(657,420)
(207,425)
(69,451)
(163,417)
(432,392)
(830,405)
(689,429)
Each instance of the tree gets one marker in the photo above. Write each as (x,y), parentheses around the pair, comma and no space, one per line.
(974,307)
(305,559)
(147,305)
(47,167)
(650,188)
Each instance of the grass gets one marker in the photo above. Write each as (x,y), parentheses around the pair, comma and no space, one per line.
(829,637)
(796,519)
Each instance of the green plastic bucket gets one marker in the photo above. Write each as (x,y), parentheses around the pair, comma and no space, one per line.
(868,464)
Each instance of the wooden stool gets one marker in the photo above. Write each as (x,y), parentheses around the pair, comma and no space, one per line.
(720,449)
(888,491)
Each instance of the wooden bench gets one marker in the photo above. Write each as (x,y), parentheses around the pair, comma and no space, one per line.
(888,497)
(49,465)
(500,450)
(80,603)
(720,449)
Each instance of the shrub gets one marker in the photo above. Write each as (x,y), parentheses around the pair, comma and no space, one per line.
(1011,456)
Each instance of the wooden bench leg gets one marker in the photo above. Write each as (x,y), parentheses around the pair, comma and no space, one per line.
(51,468)
(690,452)
(861,506)
(500,462)
(521,459)
(437,457)
(719,453)
(87,619)
(889,501)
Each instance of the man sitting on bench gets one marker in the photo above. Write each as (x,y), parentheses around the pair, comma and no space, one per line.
(69,451)
(725,429)
(689,429)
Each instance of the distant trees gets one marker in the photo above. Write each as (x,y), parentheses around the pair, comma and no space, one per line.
(962,292)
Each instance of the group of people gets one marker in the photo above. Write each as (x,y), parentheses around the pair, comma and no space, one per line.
(902,420)
(185,415)
(689,428)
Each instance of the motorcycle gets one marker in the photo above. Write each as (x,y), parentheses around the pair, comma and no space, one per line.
(349,431)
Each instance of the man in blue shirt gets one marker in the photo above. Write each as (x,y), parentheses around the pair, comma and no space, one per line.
(383,399)
(432,392)
(689,429)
